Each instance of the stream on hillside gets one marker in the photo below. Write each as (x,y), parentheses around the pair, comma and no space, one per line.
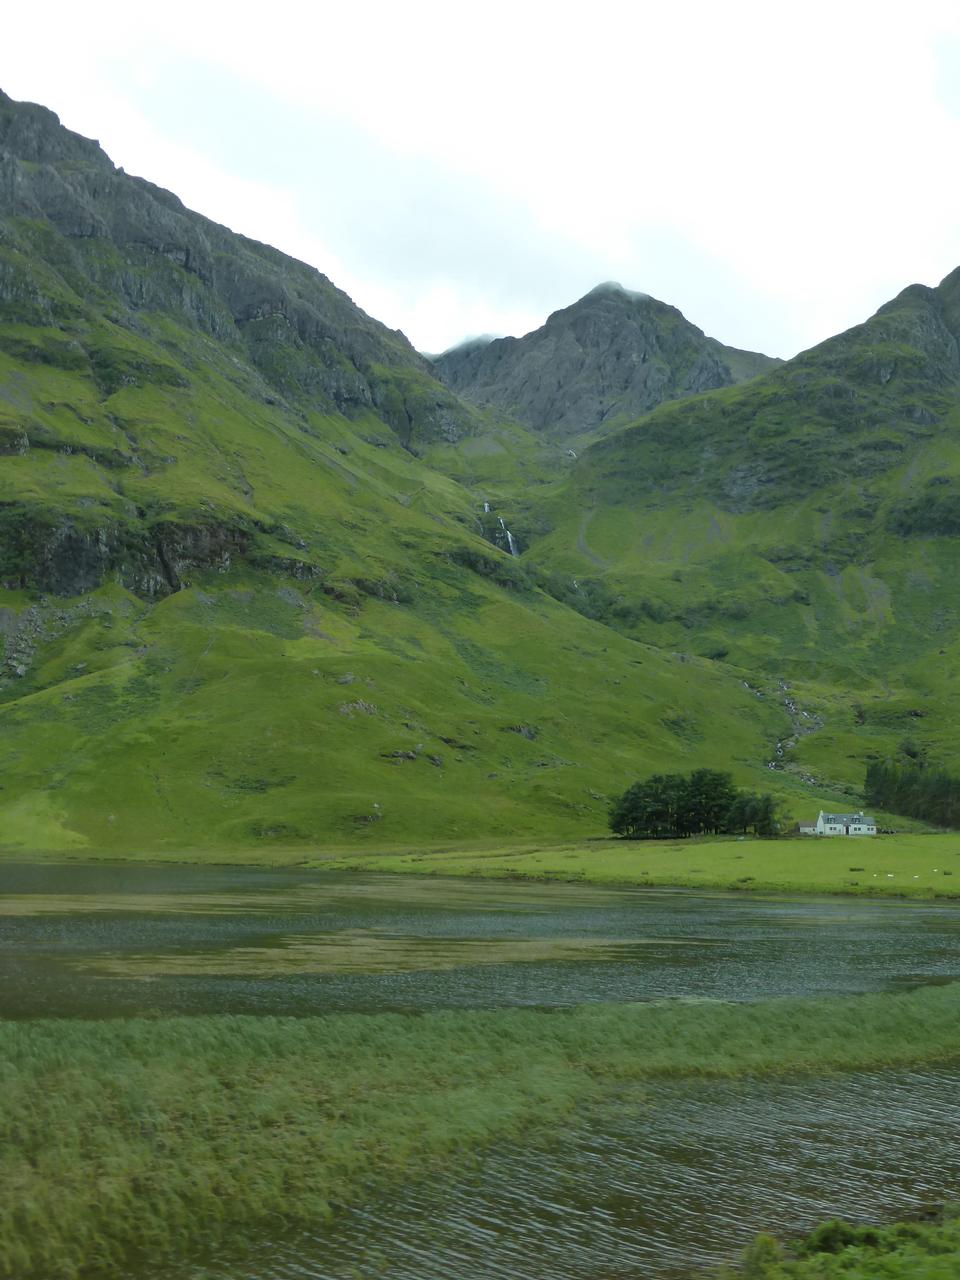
(647,1184)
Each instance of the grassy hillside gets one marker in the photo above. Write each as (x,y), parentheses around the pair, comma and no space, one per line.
(249,594)
(248,709)
(237,609)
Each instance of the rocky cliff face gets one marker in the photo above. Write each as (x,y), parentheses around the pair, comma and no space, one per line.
(607,359)
(69,217)
(175,397)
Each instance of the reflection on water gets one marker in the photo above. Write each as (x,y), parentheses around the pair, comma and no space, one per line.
(647,1190)
(96,941)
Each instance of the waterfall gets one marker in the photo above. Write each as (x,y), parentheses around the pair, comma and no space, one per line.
(511,540)
(507,538)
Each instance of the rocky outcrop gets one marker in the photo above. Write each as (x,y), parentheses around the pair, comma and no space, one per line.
(44,554)
(608,358)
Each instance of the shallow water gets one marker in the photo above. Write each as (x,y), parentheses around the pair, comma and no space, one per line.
(648,1189)
(93,941)
(635,1187)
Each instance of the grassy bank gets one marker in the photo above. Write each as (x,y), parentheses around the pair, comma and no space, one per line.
(153,1134)
(921,866)
(918,1251)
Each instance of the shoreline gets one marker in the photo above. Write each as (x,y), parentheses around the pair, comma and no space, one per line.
(891,868)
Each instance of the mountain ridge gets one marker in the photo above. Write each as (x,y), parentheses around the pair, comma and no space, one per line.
(252,284)
(803,526)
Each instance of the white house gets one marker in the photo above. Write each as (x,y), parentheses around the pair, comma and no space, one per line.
(844,824)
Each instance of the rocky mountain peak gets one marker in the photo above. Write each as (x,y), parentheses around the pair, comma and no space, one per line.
(35,134)
(615,289)
(610,356)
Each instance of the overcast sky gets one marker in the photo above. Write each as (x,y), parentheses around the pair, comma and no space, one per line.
(776,170)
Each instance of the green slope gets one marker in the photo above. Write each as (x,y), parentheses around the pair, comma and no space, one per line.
(238,609)
(248,595)
(248,711)
(802,526)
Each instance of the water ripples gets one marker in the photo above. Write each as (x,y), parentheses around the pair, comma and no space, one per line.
(648,1188)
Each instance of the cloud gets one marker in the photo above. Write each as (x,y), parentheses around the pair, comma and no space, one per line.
(775,171)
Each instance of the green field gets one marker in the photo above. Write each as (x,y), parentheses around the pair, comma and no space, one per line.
(915,866)
(102,1149)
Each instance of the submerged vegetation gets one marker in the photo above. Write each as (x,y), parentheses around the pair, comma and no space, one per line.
(104,1151)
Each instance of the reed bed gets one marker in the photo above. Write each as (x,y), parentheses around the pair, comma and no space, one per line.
(838,1251)
(151,1135)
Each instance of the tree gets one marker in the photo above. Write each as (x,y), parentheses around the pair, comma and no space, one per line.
(740,814)
(756,812)
(914,788)
(711,793)
(672,804)
(630,813)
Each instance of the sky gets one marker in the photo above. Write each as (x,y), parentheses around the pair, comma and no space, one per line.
(775,170)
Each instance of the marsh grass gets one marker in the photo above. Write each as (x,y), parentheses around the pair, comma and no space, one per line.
(148,1136)
(904,1251)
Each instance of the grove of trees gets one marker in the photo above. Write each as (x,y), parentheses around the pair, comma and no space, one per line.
(703,802)
(915,790)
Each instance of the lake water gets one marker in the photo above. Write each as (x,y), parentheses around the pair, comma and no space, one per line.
(642,1186)
(94,941)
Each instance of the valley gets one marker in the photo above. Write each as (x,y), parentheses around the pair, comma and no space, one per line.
(321,663)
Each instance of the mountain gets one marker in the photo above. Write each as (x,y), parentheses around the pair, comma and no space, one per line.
(256,587)
(602,361)
(238,606)
(135,242)
(803,525)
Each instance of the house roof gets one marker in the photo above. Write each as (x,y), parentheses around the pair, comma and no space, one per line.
(845,818)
